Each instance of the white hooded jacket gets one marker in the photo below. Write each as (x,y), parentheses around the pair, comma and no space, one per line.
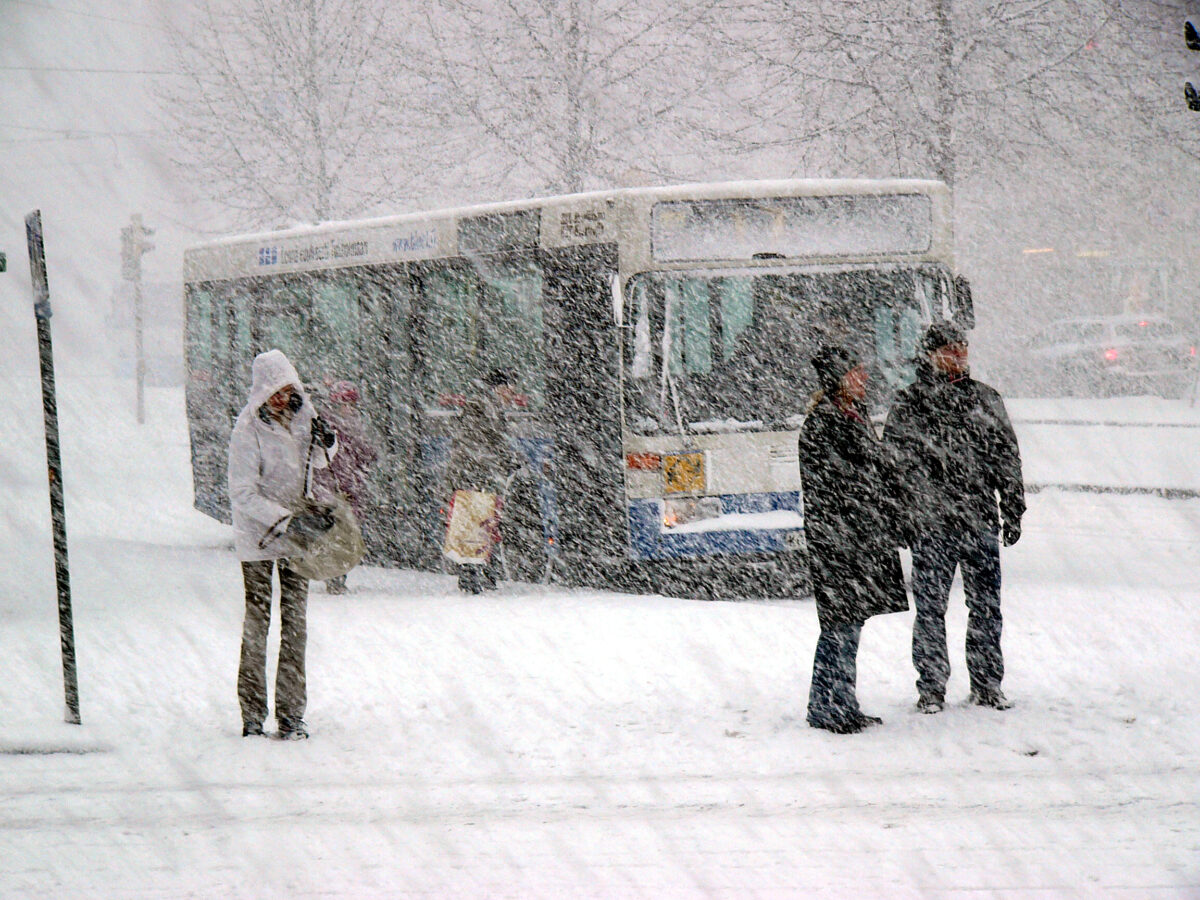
(267,471)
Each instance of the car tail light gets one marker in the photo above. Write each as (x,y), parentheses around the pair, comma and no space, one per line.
(1111,354)
(1191,351)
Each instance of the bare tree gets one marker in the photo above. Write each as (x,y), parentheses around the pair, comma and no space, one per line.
(943,88)
(286,112)
(564,95)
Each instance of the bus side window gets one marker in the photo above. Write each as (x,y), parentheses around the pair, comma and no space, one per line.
(334,354)
(200,334)
(242,311)
(281,323)
(511,328)
(222,348)
(452,313)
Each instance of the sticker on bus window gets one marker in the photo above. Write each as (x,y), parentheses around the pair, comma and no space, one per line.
(684,473)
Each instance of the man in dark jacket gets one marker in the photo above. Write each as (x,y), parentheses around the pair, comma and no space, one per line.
(957,456)
(849,526)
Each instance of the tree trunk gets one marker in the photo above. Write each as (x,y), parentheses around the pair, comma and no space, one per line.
(943,152)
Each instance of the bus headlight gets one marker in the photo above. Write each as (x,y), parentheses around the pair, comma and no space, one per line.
(679,511)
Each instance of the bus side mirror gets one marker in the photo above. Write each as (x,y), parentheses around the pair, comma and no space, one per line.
(964,306)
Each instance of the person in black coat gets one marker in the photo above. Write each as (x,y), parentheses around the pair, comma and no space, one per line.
(958,460)
(849,524)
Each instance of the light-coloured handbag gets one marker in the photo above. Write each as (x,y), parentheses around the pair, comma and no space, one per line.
(335,552)
(338,550)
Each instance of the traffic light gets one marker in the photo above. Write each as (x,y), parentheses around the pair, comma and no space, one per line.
(1192,39)
(134,243)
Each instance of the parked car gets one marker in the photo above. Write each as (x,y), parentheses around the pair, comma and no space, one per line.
(1104,356)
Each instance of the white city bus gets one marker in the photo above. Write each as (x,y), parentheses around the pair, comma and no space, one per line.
(659,339)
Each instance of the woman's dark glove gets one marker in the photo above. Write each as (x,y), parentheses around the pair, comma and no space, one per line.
(311,523)
(1011,533)
(324,435)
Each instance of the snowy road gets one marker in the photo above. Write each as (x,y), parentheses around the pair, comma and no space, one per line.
(558,743)
(574,743)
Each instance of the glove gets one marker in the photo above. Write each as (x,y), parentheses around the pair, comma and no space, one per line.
(1011,533)
(311,523)
(324,435)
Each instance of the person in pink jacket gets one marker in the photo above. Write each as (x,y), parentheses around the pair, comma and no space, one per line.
(349,472)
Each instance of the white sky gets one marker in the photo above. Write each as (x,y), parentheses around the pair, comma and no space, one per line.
(78,141)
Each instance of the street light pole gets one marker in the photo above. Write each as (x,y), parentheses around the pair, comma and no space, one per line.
(134,243)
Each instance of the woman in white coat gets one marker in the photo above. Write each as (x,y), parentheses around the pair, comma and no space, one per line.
(276,439)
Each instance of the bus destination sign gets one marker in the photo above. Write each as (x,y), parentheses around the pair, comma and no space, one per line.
(791,227)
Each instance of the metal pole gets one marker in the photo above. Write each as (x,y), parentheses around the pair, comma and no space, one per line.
(58,517)
(139,349)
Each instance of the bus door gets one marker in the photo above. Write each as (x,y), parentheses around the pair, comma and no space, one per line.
(445,337)
(389,405)
(583,406)
(479,314)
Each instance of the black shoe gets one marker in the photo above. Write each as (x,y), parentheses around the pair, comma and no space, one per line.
(252,729)
(930,705)
(291,730)
(993,699)
(868,721)
(838,726)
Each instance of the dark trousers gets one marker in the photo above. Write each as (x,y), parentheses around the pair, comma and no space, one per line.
(291,695)
(476,579)
(935,557)
(831,698)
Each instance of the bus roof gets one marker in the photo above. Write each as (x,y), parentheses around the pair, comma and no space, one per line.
(560,221)
(713,190)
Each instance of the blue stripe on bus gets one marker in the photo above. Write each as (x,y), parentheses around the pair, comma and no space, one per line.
(648,541)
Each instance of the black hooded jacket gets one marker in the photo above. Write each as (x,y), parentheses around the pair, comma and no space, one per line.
(955,452)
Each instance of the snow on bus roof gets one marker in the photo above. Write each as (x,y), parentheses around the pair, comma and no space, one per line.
(712,190)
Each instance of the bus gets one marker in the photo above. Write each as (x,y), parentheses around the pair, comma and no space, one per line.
(659,339)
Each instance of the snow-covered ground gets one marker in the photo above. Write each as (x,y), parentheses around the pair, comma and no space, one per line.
(544,742)
(1130,442)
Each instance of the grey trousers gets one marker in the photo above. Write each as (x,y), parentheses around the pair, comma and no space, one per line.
(291,694)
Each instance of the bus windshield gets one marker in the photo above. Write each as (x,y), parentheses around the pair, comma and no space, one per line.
(715,351)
